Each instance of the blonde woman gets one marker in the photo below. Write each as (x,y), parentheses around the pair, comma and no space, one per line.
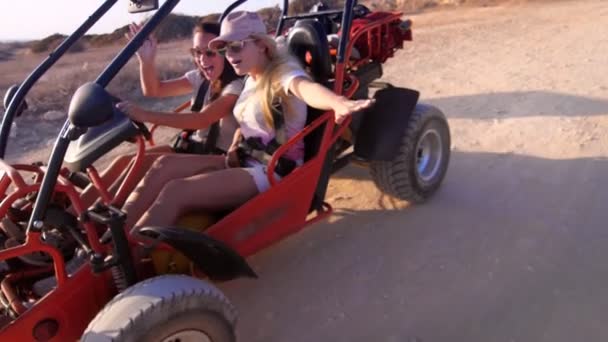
(175,184)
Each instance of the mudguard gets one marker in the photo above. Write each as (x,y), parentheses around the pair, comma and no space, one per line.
(217,260)
(383,125)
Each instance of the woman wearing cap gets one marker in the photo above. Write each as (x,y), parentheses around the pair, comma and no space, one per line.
(176,181)
(215,87)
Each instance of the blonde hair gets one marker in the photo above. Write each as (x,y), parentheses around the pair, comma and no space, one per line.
(269,87)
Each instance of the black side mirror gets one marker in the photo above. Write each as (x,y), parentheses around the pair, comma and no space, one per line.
(91,106)
(8,97)
(137,6)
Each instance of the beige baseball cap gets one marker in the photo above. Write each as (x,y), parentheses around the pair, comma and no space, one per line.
(238,26)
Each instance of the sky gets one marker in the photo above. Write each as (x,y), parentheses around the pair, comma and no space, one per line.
(36,19)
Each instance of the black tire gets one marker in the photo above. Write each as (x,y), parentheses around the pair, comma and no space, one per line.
(161,308)
(401,177)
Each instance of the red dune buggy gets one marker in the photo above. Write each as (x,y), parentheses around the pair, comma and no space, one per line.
(71,273)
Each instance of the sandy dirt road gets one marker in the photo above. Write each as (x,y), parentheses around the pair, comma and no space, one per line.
(513,246)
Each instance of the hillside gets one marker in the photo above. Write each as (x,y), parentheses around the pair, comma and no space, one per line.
(179,26)
(174,27)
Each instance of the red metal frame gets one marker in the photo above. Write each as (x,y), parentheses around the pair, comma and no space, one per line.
(131,178)
(22,189)
(71,294)
(72,305)
(262,221)
(9,291)
(372,26)
(98,184)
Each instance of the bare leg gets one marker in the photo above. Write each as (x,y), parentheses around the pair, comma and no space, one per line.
(149,160)
(90,193)
(116,172)
(165,169)
(213,191)
(150,156)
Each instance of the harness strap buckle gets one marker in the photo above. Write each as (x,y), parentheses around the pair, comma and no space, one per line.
(254,148)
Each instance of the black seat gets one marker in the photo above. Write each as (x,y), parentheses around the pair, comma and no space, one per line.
(308,35)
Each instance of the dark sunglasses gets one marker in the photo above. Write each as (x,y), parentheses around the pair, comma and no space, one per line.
(233,47)
(197,53)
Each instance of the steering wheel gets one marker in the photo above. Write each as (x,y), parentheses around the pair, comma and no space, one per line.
(143,129)
(148,134)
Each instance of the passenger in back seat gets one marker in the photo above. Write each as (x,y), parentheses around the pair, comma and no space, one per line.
(178,184)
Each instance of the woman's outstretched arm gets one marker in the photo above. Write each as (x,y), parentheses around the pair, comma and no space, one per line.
(318,96)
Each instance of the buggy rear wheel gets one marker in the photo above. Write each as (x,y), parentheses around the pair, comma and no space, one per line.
(168,308)
(420,166)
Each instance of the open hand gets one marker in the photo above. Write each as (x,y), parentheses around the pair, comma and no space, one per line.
(132,111)
(147,51)
(345,107)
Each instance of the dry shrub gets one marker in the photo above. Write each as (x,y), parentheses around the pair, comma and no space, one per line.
(271,16)
(8,50)
(55,89)
(5,55)
(303,6)
(51,42)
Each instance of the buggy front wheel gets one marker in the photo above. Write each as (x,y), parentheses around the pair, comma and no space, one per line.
(421,164)
(166,308)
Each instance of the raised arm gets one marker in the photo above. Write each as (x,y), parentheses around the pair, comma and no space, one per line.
(151,85)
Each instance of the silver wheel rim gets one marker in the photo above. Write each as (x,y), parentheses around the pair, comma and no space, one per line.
(429,153)
(188,336)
